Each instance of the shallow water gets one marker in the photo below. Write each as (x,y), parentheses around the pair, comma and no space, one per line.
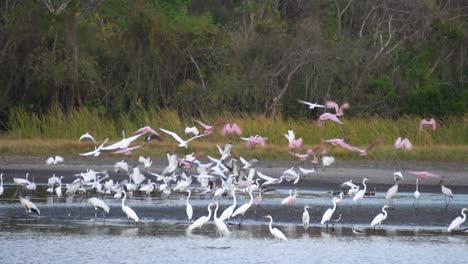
(170,243)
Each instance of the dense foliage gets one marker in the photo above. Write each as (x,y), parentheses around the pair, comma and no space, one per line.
(388,58)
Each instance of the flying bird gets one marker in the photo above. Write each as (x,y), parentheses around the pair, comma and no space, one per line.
(403,144)
(310,105)
(208,128)
(229,129)
(87,136)
(192,130)
(428,123)
(338,109)
(327,116)
(182,143)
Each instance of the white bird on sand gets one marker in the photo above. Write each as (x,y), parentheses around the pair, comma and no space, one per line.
(378,219)
(222,228)
(305,217)
(146,161)
(29,206)
(192,130)
(87,136)
(227,213)
(121,165)
(202,220)
(97,151)
(99,204)
(54,160)
(311,105)
(360,194)
(182,143)
(457,222)
(279,236)
(189,208)
(127,210)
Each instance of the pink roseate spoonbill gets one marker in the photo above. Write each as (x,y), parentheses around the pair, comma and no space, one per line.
(327,116)
(338,109)
(428,123)
(147,129)
(289,201)
(87,136)
(208,129)
(127,151)
(293,142)
(364,152)
(424,174)
(311,105)
(403,144)
(182,143)
(378,219)
(457,222)
(231,129)
(301,157)
(340,142)
(255,140)
(279,236)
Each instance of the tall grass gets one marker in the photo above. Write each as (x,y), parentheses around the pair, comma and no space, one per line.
(57,124)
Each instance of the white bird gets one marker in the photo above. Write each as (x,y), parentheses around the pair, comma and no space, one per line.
(269,180)
(329,212)
(58,190)
(97,151)
(182,143)
(222,228)
(99,204)
(121,165)
(378,219)
(147,188)
(457,222)
(247,164)
(327,160)
(306,171)
(226,152)
(360,194)
(29,206)
(447,194)
(417,194)
(53,180)
(311,105)
(31,186)
(275,231)
(124,143)
(243,208)
(189,208)
(172,166)
(136,176)
(202,220)
(21,181)
(1,184)
(227,213)
(54,160)
(127,210)
(87,136)
(192,130)
(146,161)
(394,189)
(305,217)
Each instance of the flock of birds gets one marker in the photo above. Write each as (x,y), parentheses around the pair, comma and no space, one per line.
(190,174)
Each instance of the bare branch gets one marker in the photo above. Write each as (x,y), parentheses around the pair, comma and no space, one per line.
(199,72)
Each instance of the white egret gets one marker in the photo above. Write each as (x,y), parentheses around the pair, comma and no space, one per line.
(182,143)
(99,204)
(145,161)
(360,194)
(21,181)
(29,206)
(202,220)
(189,208)
(97,151)
(305,217)
(192,130)
(222,228)
(54,160)
(124,143)
(127,210)
(87,136)
(310,105)
(243,208)
(148,188)
(121,165)
(1,184)
(378,219)
(329,212)
(447,194)
(458,221)
(58,190)
(227,213)
(417,194)
(394,189)
(279,236)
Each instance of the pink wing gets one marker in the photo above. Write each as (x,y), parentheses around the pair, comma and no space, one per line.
(236,129)
(226,129)
(340,112)
(346,146)
(433,123)
(127,151)
(398,143)
(205,126)
(335,118)
(424,174)
(146,129)
(331,104)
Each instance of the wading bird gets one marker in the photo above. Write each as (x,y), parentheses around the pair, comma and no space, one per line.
(457,222)
(279,236)
(220,225)
(305,217)
(424,174)
(394,189)
(188,207)
(29,206)
(145,161)
(99,204)
(293,142)
(202,220)
(360,194)
(227,213)
(378,219)
(243,208)
(1,184)
(447,194)
(417,194)
(329,212)
(127,210)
